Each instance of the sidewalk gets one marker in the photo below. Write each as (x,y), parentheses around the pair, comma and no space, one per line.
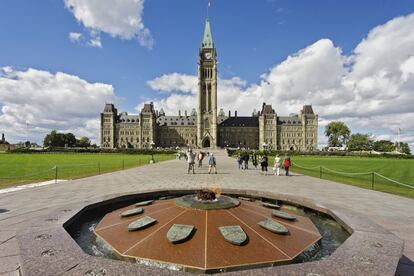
(392,212)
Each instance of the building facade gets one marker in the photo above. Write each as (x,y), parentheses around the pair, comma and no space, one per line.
(204,127)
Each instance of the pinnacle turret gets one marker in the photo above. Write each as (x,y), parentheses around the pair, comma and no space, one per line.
(208,38)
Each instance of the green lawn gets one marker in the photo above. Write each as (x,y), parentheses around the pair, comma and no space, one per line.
(16,169)
(401,170)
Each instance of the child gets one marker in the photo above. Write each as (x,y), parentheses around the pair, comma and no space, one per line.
(212,164)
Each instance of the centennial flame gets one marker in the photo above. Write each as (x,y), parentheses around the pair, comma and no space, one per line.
(206,195)
(216,191)
(212,194)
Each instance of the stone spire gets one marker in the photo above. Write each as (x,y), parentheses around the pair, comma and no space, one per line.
(208,38)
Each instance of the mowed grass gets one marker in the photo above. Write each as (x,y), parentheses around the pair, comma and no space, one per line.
(17,169)
(401,170)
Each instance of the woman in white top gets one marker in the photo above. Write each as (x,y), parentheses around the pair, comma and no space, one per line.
(277,165)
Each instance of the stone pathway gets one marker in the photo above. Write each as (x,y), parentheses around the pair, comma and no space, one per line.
(391,212)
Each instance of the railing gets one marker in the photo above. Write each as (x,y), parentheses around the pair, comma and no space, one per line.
(72,171)
(374,176)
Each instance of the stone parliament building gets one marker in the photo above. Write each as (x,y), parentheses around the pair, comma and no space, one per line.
(204,127)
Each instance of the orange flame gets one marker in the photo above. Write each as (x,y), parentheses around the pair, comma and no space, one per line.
(216,190)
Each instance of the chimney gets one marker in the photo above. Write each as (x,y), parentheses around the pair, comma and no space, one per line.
(185,113)
(229,113)
(179,113)
(235,113)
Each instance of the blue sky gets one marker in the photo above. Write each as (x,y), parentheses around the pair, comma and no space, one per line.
(252,37)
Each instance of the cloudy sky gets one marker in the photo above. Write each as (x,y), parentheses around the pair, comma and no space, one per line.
(62,60)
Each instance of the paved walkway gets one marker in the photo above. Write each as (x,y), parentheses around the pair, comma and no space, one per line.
(392,212)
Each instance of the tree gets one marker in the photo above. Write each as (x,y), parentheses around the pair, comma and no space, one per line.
(337,133)
(384,146)
(69,139)
(405,148)
(84,142)
(358,142)
(54,139)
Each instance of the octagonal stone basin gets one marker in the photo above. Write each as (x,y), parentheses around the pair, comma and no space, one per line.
(206,250)
(100,231)
(63,241)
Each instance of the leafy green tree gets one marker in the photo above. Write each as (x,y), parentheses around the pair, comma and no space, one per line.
(405,148)
(70,140)
(384,146)
(358,142)
(55,139)
(337,133)
(52,139)
(84,142)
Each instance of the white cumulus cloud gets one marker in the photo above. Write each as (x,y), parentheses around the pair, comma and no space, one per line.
(75,37)
(118,18)
(372,89)
(95,42)
(174,83)
(34,102)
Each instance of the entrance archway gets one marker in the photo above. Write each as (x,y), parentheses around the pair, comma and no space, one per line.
(206,143)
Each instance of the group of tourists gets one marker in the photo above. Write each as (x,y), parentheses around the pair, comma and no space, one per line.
(192,157)
(242,162)
(263,160)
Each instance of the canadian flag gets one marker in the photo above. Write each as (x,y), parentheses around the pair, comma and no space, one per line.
(209,3)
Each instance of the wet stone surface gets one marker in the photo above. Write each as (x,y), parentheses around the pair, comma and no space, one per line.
(283,215)
(270,205)
(273,226)
(144,203)
(141,223)
(179,233)
(132,212)
(233,234)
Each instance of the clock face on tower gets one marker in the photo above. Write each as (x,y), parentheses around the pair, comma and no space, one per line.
(207,56)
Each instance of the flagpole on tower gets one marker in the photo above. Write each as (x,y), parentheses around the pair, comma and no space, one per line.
(208,8)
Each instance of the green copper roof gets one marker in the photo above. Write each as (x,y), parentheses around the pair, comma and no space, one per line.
(208,38)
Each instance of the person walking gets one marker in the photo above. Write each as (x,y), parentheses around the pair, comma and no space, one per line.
(212,164)
(190,161)
(247,158)
(287,164)
(254,160)
(243,158)
(200,158)
(277,165)
(264,164)
(239,161)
